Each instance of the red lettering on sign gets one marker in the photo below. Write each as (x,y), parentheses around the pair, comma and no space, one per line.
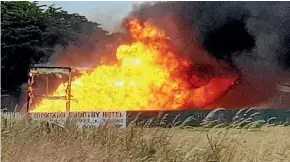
(106,114)
(112,114)
(95,114)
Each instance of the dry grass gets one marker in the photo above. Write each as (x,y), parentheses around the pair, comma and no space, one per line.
(24,141)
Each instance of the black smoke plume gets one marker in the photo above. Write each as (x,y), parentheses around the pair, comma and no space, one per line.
(252,37)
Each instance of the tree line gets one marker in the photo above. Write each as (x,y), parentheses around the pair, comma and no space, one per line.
(30,32)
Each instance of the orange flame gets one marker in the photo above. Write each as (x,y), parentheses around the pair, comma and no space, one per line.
(149,76)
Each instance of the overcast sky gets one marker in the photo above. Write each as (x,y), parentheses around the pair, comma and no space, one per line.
(107,13)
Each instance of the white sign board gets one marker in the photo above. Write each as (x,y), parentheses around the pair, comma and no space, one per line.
(81,118)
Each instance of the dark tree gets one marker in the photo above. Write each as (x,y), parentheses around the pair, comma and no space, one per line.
(29,34)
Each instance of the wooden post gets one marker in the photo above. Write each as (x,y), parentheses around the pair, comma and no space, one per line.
(68,94)
(29,92)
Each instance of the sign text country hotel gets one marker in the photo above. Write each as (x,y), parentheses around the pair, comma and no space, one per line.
(84,118)
(76,115)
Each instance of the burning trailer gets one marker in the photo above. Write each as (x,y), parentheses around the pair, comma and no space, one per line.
(42,82)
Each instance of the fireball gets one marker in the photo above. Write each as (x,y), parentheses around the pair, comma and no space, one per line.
(149,75)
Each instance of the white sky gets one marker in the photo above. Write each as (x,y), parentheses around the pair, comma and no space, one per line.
(107,13)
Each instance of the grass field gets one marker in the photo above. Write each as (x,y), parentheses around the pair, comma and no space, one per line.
(24,141)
